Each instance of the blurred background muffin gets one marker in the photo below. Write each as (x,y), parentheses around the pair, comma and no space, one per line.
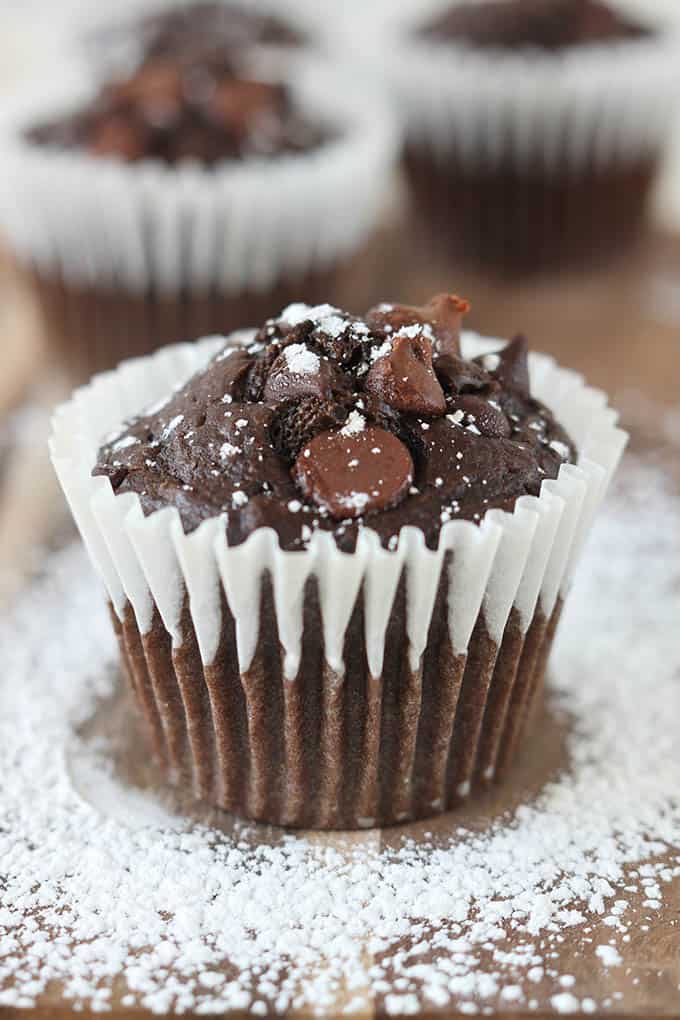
(196,191)
(534,128)
(111,279)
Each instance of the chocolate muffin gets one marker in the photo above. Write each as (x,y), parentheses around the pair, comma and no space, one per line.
(531,125)
(336,553)
(200,196)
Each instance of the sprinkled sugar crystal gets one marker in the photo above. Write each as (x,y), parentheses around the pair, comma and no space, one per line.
(491,362)
(382,351)
(456,418)
(124,443)
(326,317)
(228,450)
(301,360)
(171,426)
(355,423)
(561,449)
(415,331)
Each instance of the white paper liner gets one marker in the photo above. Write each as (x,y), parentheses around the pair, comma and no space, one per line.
(515,559)
(589,105)
(242,225)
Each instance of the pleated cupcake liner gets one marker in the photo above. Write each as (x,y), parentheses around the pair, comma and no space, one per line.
(332,750)
(320,688)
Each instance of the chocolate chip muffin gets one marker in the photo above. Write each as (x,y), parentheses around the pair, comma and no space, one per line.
(549,119)
(192,194)
(336,552)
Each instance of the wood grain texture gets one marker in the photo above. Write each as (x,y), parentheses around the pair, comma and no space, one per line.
(621,329)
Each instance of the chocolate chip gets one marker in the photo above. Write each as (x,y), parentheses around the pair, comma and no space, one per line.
(513,367)
(460,376)
(117,135)
(349,473)
(480,416)
(236,102)
(404,378)
(443,313)
(157,82)
(298,372)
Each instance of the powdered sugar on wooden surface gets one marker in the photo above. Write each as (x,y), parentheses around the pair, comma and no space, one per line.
(99,880)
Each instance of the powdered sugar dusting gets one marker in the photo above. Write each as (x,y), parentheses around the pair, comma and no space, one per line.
(326,317)
(355,423)
(417,330)
(124,443)
(382,351)
(228,450)
(300,360)
(107,884)
(171,426)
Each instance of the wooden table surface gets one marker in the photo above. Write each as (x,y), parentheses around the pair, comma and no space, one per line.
(621,328)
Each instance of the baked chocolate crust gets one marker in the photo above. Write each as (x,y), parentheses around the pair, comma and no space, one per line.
(331,422)
(549,26)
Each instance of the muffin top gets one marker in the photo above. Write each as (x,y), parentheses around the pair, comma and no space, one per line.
(192,104)
(205,27)
(327,421)
(551,25)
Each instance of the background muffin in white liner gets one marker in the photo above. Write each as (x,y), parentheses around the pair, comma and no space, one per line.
(323,688)
(522,159)
(125,256)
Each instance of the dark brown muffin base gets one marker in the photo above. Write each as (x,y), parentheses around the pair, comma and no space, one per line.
(332,751)
(92,329)
(515,222)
